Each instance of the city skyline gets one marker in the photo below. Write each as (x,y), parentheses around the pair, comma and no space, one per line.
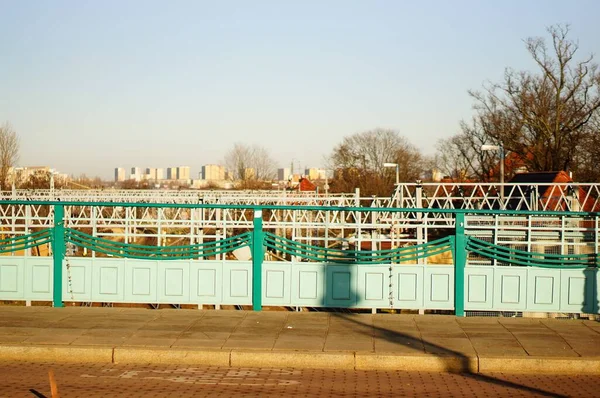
(207,172)
(90,84)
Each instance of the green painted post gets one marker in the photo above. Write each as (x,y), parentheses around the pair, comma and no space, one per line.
(257,260)
(58,253)
(460,260)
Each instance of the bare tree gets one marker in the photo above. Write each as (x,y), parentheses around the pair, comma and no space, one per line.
(358,162)
(546,121)
(460,157)
(9,153)
(250,163)
(585,165)
(543,117)
(264,166)
(238,160)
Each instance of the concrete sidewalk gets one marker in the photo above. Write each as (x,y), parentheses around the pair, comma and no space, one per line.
(299,339)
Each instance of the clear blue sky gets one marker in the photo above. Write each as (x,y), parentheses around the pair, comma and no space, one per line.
(92,85)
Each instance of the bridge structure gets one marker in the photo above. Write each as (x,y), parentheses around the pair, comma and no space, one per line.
(453,247)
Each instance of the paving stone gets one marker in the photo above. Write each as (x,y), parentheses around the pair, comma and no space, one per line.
(245,343)
(198,343)
(148,342)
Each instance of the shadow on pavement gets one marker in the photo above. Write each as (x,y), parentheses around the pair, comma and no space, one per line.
(37,393)
(395,337)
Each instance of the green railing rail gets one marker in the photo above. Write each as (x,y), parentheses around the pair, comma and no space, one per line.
(145,252)
(28,241)
(459,243)
(333,255)
(530,259)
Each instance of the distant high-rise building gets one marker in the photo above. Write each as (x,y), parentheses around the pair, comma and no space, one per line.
(325,174)
(183,173)
(283,174)
(213,172)
(312,173)
(119,174)
(136,174)
(150,173)
(434,175)
(154,174)
(172,173)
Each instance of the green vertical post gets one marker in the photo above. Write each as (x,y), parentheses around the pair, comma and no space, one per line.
(58,253)
(257,260)
(460,260)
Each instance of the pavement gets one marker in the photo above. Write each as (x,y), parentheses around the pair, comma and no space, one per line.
(309,340)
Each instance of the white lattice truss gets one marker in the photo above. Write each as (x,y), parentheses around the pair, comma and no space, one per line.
(376,228)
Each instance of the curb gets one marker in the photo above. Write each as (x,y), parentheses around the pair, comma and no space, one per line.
(299,359)
(565,365)
(293,359)
(52,353)
(417,363)
(133,355)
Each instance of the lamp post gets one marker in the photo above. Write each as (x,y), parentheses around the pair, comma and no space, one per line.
(500,150)
(397,171)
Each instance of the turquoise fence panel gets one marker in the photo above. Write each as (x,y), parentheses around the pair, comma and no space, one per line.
(373,286)
(438,287)
(577,290)
(12,277)
(237,283)
(39,274)
(407,283)
(79,270)
(308,282)
(277,283)
(510,288)
(596,304)
(340,285)
(543,290)
(141,281)
(108,280)
(206,282)
(479,288)
(174,282)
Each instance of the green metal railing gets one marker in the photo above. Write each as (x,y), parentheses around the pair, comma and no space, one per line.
(332,255)
(257,239)
(519,257)
(145,252)
(24,242)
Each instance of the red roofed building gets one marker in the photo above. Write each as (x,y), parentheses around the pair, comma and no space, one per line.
(306,186)
(553,196)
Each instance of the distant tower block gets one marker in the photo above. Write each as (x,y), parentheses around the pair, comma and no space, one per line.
(172,173)
(283,174)
(136,174)
(119,174)
(183,173)
(213,172)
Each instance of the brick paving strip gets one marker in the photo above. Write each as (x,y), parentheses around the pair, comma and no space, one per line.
(319,340)
(26,379)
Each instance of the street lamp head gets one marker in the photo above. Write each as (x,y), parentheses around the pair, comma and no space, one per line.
(490,147)
(390,164)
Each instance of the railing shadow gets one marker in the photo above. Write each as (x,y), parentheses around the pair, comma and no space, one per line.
(36,393)
(590,305)
(464,367)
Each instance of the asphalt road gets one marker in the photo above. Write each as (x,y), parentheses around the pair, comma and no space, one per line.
(104,380)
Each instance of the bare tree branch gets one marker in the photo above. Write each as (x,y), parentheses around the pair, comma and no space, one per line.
(9,153)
